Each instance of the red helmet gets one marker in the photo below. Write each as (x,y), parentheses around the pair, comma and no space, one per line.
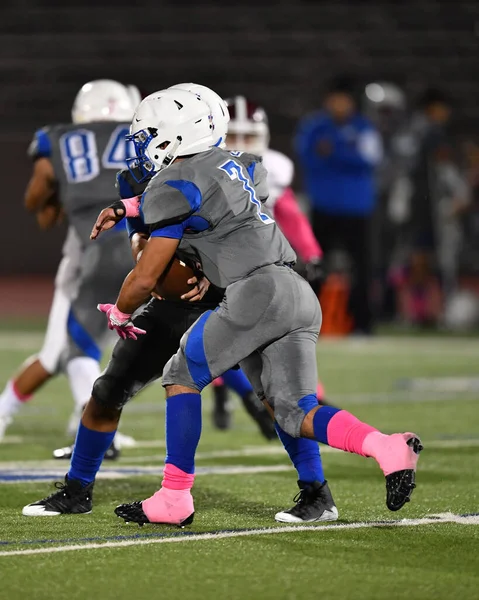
(248,129)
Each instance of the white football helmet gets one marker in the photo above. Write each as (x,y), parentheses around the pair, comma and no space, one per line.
(219,110)
(248,126)
(168,124)
(104,100)
(135,95)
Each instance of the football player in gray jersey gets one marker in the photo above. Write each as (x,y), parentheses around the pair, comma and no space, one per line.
(207,203)
(73,166)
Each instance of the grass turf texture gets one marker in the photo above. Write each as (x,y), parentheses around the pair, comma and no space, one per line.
(432,561)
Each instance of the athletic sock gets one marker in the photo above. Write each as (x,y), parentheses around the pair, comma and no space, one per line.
(340,429)
(11,400)
(238,382)
(82,373)
(304,455)
(88,453)
(183,431)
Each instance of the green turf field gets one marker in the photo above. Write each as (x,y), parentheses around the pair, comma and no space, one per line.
(243,481)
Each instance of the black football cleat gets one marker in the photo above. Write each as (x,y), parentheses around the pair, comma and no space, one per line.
(113,452)
(256,409)
(71,499)
(133,512)
(221,415)
(400,484)
(314,502)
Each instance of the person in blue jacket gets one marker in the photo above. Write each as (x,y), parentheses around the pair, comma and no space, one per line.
(338,150)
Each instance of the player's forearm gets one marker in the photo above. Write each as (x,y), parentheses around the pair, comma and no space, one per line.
(135,289)
(41,187)
(138,243)
(296,227)
(140,282)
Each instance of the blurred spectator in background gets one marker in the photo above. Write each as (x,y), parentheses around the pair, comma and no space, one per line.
(439,194)
(384,103)
(337,150)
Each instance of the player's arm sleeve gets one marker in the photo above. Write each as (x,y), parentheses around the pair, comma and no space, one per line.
(367,152)
(40,146)
(165,207)
(296,227)
(41,188)
(126,186)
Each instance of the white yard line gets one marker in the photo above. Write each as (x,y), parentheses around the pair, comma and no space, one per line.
(40,471)
(432,520)
(273,450)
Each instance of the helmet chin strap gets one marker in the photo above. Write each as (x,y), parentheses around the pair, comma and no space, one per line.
(171,154)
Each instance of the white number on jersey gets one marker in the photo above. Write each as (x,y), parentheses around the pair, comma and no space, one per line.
(235,171)
(80,154)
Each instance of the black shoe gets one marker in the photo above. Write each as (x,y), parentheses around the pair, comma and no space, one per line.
(134,512)
(256,409)
(314,502)
(221,414)
(113,452)
(71,499)
(400,484)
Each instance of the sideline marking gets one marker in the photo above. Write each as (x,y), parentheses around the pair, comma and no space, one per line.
(472,519)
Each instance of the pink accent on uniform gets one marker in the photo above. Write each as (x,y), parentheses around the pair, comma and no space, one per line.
(391,451)
(132,206)
(348,433)
(320,392)
(120,322)
(218,381)
(296,227)
(169,506)
(176,479)
(21,397)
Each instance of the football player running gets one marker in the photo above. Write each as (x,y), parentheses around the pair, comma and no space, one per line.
(207,203)
(137,362)
(248,131)
(73,166)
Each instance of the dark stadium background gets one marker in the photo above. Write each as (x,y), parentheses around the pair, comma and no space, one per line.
(278,53)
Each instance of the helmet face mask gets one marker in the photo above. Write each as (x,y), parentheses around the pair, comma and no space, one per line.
(174,123)
(248,129)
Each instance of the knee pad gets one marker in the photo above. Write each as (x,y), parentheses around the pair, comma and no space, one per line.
(110,392)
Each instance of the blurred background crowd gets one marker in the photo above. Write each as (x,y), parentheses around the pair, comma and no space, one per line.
(376,103)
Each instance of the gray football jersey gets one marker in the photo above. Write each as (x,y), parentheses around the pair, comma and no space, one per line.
(212,202)
(85,159)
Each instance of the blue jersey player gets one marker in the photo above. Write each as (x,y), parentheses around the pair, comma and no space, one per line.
(208,204)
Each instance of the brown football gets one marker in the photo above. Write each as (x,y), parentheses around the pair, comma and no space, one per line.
(173,283)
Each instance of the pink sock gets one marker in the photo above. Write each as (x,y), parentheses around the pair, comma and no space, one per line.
(21,397)
(218,381)
(348,433)
(176,479)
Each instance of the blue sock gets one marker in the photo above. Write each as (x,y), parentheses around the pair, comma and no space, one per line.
(90,447)
(183,430)
(304,455)
(321,421)
(238,382)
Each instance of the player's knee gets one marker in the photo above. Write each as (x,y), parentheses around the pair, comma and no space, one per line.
(289,424)
(192,351)
(109,392)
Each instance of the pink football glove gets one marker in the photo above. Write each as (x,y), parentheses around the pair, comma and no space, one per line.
(120,322)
